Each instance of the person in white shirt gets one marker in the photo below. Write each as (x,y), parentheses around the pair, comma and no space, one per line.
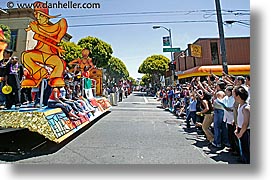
(220,130)
(229,101)
(242,131)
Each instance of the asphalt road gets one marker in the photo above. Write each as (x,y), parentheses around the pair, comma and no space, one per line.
(137,131)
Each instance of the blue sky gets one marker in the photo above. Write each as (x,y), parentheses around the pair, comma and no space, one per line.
(134,43)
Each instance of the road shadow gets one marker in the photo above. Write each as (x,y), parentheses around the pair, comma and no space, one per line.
(143,94)
(24,144)
(198,140)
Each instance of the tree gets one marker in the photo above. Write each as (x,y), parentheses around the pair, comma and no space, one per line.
(155,66)
(101,52)
(145,80)
(72,51)
(116,70)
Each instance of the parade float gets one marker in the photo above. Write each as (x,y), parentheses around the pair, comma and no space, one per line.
(3,43)
(44,63)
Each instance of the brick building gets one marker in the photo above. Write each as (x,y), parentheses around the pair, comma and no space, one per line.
(237,53)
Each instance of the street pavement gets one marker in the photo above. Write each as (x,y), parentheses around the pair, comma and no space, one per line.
(136,131)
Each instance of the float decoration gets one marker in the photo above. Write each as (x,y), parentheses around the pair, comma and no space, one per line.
(3,43)
(44,61)
(84,61)
(94,73)
(53,124)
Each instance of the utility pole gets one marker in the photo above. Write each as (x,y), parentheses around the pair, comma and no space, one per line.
(221,33)
(172,59)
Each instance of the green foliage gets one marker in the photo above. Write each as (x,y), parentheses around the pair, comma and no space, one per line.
(116,69)
(101,52)
(72,51)
(145,80)
(142,83)
(155,64)
(7,32)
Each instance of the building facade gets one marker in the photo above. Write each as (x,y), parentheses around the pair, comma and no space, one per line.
(237,53)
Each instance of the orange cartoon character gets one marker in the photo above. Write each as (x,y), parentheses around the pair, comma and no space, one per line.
(44,60)
(85,61)
(3,43)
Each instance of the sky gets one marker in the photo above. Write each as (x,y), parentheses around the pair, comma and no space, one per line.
(133,43)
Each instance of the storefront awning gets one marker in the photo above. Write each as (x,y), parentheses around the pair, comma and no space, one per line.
(215,69)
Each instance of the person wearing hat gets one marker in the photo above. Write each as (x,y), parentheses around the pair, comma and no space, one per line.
(14,74)
(46,53)
(3,63)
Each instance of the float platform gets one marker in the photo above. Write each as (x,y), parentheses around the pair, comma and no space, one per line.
(51,123)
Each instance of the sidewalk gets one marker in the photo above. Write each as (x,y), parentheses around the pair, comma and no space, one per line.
(199,141)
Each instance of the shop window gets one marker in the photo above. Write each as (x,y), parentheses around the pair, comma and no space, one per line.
(214,52)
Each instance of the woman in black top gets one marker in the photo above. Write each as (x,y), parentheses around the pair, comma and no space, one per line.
(207,112)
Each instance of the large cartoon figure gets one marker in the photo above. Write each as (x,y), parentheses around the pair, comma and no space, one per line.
(85,61)
(3,43)
(44,60)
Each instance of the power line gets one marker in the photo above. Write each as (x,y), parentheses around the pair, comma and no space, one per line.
(136,13)
(239,12)
(139,23)
(234,12)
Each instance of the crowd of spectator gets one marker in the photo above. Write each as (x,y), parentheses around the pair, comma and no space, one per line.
(121,90)
(219,108)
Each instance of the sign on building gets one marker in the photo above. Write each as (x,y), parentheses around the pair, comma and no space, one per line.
(195,50)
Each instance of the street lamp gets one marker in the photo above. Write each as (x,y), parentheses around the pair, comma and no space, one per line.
(230,22)
(170,38)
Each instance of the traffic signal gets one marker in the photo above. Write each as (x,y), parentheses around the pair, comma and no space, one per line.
(174,65)
(170,66)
